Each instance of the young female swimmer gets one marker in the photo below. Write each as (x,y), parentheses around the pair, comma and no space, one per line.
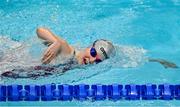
(99,51)
(102,49)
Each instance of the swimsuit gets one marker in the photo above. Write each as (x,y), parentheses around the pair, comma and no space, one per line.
(42,70)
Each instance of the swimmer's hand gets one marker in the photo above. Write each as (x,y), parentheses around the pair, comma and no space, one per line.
(165,63)
(51,52)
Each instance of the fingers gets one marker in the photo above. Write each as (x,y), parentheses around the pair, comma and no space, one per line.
(49,58)
(46,55)
(50,53)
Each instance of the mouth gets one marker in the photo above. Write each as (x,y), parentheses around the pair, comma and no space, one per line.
(85,61)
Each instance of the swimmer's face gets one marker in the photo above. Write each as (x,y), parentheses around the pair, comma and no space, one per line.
(87,58)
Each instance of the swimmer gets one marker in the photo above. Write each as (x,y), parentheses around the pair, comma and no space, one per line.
(99,51)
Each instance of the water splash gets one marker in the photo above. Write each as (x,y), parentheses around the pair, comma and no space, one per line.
(15,54)
(128,56)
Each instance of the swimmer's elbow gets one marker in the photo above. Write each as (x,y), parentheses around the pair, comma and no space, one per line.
(40,30)
(63,41)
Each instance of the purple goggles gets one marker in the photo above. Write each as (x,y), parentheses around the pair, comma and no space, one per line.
(93,53)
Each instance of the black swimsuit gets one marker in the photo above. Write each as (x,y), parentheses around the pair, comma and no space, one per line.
(42,70)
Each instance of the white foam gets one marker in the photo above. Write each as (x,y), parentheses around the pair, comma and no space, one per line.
(128,56)
(15,54)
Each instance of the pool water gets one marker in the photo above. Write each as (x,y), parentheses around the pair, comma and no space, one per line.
(138,28)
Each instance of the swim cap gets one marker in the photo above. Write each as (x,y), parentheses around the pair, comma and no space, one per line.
(104,48)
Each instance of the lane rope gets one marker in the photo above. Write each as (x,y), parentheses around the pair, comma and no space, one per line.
(82,92)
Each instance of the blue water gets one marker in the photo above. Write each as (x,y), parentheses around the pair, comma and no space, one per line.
(140,28)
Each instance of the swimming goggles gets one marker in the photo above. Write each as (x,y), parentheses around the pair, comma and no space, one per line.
(93,53)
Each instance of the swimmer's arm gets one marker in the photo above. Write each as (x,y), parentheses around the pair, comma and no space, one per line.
(47,35)
(55,43)
(163,62)
(51,52)
(55,49)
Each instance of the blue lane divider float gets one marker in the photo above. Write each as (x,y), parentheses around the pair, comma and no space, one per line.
(132,92)
(31,93)
(115,92)
(98,92)
(2,93)
(177,92)
(14,92)
(149,92)
(81,92)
